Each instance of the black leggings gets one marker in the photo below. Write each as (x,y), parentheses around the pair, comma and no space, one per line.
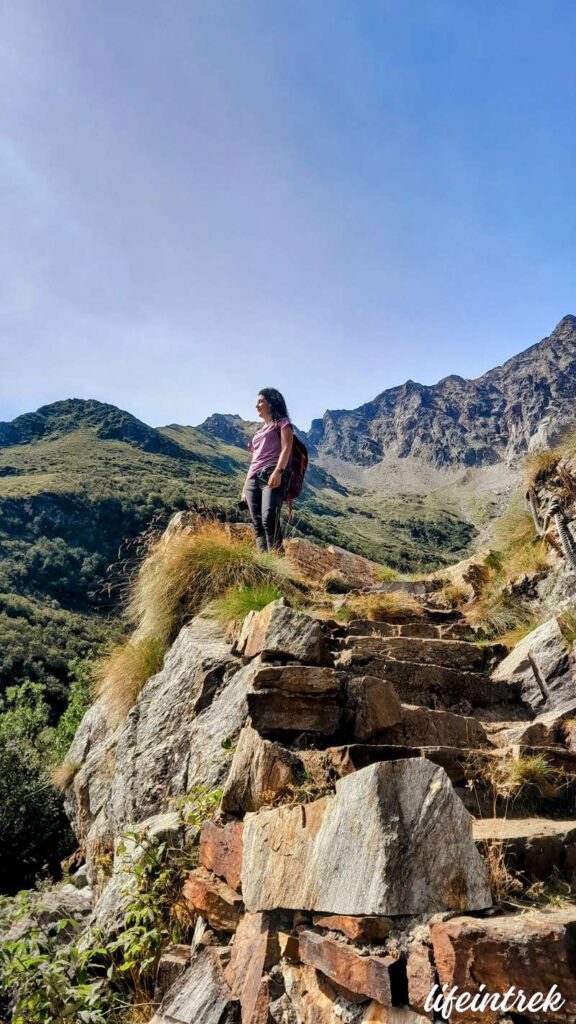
(264,504)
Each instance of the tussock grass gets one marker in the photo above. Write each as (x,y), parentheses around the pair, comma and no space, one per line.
(503,883)
(121,674)
(537,463)
(397,606)
(181,574)
(567,623)
(453,595)
(532,770)
(386,574)
(63,774)
(518,552)
(238,601)
(529,776)
(515,634)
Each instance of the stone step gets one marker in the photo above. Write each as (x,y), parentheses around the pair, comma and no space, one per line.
(456,654)
(454,760)
(415,628)
(433,686)
(534,848)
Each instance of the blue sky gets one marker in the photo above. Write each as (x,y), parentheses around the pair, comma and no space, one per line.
(204,197)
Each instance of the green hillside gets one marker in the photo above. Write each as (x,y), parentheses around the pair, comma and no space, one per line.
(81,480)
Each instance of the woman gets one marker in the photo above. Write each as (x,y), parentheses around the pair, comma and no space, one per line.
(267,480)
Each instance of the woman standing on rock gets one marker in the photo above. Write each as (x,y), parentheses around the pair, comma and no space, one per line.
(267,480)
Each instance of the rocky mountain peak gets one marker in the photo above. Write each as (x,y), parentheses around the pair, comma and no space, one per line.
(460,422)
(229,427)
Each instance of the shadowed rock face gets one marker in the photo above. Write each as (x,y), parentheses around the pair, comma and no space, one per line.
(418,852)
(461,422)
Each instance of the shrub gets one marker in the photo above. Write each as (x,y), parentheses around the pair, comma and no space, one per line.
(238,601)
(33,828)
(47,980)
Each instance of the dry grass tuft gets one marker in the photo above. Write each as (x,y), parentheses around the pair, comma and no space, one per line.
(397,606)
(452,595)
(121,674)
(180,575)
(183,574)
(537,463)
(63,774)
(567,623)
(503,883)
(510,777)
(528,770)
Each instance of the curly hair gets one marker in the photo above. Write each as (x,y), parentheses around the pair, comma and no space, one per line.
(276,402)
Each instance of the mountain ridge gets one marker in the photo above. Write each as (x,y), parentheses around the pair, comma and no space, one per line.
(459,421)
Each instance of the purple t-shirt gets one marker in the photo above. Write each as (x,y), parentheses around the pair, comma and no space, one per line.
(266,446)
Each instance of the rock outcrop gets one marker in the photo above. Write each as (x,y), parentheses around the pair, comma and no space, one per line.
(338,878)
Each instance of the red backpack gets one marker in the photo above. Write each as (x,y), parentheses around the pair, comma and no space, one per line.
(298,465)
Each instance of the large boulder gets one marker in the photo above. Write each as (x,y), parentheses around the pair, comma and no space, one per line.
(394,839)
(540,666)
(315,562)
(45,911)
(170,742)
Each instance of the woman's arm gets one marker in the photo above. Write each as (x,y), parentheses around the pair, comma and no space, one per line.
(286,440)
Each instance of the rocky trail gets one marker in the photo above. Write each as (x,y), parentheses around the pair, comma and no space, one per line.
(370,815)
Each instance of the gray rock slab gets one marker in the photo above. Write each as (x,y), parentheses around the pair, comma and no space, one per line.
(279,631)
(539,665)
(199,996)
(160,737)
(394,839)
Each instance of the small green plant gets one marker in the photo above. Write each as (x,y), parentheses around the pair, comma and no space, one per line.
(48,979)
(199,803)
(238,601)
(387,574)
(150,920)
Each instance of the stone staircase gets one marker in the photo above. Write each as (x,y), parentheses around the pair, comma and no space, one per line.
(344,851)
